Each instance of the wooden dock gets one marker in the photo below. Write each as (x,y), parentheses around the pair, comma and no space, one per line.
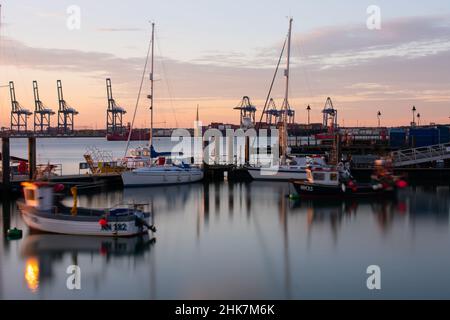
(83,181)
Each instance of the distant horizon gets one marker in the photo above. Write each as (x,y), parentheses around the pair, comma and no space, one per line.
(364,71)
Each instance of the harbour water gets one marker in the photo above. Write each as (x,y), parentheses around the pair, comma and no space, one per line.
(237,241)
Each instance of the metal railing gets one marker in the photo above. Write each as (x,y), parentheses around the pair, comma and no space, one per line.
(421,155)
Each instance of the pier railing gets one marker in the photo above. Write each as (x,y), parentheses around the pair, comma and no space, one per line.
(420,155)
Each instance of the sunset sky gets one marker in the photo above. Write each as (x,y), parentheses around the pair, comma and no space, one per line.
(213,52)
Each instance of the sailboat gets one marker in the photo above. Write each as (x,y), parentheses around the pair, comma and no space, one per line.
(159,172)
(293,168)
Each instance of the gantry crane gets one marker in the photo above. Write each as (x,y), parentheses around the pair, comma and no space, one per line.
(290,115)
(65,113)
(114,114)
(19,115)
(247,112)
(42,114)
(329,116)
(272,114)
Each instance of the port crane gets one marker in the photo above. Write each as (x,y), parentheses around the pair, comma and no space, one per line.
(66,113)
(329,116)
(114,114)
(19,115)
(248,111)
(272,114)
(42,114)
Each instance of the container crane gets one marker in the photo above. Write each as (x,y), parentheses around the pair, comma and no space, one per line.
(66,113)
(248,111)
(19,115)
(114,114)
(42,114)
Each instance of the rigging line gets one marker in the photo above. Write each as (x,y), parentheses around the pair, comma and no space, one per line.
(272,83)
(138,97)
(258,125)
(166,77)
(270,92)
(304,68)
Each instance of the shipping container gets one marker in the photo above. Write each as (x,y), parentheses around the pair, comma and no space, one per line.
(444,134)
(422,137)
(397,138)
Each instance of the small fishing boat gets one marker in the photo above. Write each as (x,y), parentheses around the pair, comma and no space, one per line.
(336,181)
(43,210)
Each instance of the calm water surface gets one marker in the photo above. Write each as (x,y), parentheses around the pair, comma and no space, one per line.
(240,241)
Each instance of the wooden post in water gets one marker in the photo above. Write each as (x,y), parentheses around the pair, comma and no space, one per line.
(31,157)
(247,150)
(6,169)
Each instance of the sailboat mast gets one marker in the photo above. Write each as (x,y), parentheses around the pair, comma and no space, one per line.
(151,85)
(288,62)
(284,138)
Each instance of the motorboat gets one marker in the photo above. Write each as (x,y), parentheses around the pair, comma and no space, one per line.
(43,210)
(337,181)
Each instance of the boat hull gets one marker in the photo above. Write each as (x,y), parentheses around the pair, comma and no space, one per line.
(308,189)
(86,226)
(142,179)
(276,175)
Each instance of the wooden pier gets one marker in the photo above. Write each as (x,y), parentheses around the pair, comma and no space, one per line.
(10,183)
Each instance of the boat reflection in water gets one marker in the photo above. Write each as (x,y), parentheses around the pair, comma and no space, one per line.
(43,252)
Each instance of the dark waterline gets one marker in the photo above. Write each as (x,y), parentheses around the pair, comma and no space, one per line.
(242,241)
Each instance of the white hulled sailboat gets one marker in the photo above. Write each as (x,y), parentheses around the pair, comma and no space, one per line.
(159,173)
(288,169)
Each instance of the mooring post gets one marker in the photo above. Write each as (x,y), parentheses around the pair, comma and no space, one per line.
(31,157)
(6,169)
(247,150)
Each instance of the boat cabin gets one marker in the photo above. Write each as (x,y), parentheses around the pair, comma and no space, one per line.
(323,175)
(38,195)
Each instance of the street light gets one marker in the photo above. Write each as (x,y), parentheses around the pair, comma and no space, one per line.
(418,119)
(308,108)
(379,118)
(414,116)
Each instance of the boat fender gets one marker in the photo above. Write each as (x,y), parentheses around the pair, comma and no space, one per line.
(401,184)
(343,187)
(294,196)
(103,222)
(352,186)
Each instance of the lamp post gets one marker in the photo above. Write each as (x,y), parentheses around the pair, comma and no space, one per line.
(308,108)
(379,118)
(413,123)
(418,119)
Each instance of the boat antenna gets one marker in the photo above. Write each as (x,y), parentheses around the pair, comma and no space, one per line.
(285,107)
(139,94)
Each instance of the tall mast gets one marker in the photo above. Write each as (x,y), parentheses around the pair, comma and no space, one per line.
(285,108)
(151,85)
